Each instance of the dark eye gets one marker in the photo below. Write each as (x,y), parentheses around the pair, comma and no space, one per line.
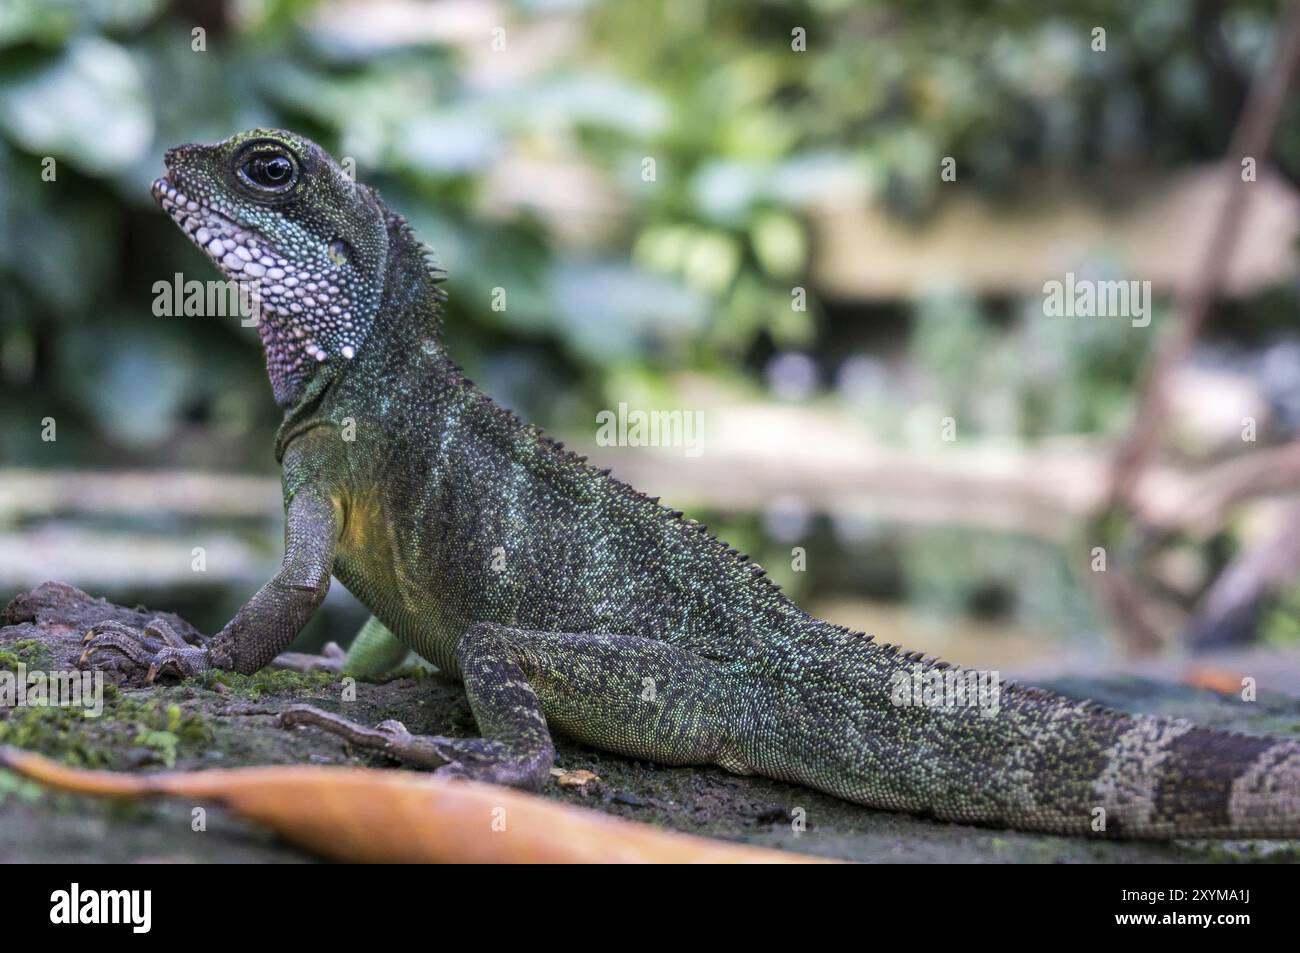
(271,171)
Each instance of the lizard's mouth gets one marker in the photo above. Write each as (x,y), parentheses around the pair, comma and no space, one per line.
(241,254)
(295,304)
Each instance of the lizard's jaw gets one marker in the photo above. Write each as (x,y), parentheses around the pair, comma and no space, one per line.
(306,310)
(293,305)
(239,253)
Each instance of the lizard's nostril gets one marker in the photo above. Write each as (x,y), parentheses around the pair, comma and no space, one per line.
(168,156)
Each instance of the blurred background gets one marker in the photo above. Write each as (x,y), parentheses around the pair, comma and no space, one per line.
(739,208)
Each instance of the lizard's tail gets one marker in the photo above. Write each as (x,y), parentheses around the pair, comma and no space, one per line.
(1163,778)
(1030,759)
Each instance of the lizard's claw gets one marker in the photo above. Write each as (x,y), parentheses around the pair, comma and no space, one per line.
(469,759)
(182,663)
(477,759)
(473,759)
(141,655)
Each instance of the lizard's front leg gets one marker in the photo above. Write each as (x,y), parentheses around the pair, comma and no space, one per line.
(260,631)
(626,694)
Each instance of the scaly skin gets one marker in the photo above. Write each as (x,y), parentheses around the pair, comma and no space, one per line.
(566,601)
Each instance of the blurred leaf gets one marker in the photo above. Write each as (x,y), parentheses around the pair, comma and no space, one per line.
(609,311)
(711,261)
(88,107)
(132,382)
(68,229)
(595,99)
(51,21)
(779,244)
(447,142)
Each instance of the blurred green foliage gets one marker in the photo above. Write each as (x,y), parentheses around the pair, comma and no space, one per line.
(692,270)
(1280,626)
(525,169)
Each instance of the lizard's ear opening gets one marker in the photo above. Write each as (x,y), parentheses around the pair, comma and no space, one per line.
(340,252)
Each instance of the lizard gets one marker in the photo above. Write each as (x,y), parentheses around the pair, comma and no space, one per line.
(565,601)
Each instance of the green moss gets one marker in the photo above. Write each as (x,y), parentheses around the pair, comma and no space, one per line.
(1280,625)
(163,743)
(59,733)
(29,652)
(67,735)
(33,653)
(268,682)
(157,717)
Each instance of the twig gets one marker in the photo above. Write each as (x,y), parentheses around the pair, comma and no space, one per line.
(1195,296)
(1123,596)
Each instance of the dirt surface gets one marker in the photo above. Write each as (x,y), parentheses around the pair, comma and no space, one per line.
(229,720)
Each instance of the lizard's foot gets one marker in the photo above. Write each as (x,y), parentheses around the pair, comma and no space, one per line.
(478,759)
(475,759)
(141,655)
(389,737)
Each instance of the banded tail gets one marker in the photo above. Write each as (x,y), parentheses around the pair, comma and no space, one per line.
(1027,758)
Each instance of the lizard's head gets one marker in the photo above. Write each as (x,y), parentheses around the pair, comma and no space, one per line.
(275,213)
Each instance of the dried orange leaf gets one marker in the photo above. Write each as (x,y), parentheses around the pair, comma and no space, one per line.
(574,779)
(359,814)
(1219,680)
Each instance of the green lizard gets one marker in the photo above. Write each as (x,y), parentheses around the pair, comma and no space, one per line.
(566,601)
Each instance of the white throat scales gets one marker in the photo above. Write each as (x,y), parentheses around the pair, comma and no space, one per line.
(303,299)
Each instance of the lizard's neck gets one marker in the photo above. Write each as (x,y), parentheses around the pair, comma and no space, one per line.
(409,312)
(290,369)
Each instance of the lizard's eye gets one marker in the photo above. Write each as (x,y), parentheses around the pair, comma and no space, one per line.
(269,171)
